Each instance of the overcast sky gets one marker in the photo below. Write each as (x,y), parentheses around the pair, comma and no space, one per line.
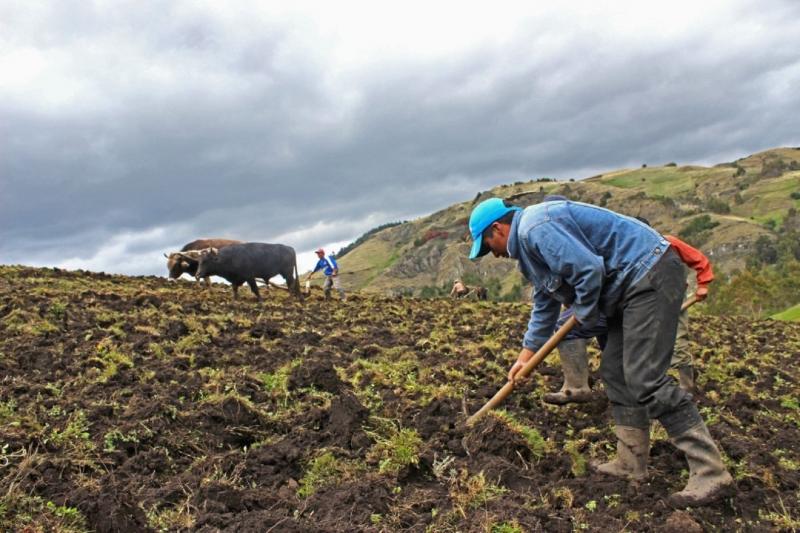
(129,128)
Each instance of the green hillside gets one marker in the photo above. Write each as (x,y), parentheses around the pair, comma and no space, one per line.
(791,314)
(724,209)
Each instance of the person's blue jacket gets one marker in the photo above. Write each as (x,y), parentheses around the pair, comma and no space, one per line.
(328,263)
(580,255)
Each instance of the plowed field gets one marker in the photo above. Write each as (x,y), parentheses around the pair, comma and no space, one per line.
(134,404)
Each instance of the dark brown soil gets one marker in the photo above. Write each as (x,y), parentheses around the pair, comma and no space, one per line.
(150,406)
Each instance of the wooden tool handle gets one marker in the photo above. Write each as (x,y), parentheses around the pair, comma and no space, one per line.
(532,363)
(689,302)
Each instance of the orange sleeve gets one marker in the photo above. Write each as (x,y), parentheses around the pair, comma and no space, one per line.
(693,258)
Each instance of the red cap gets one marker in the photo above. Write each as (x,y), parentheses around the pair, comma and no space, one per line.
(320,251)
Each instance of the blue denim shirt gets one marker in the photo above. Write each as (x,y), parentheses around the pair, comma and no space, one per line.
(580,255)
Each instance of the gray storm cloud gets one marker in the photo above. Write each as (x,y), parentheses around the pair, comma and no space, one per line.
(128,131)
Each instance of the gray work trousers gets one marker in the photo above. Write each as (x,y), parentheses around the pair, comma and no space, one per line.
(641,340)
(682,355)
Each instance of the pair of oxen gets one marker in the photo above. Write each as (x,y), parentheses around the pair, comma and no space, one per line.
(237,262)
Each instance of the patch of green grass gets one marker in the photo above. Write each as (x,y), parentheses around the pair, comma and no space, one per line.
(323,470)
(471,492)
(187,344)
(769,198)
(538,445)
(781,517)
(395,450)
(115,436)
(277,383)
(75,434)
(398,368)
(507,527)
(23,512)
(664,181)
(177,518)
(572,447)
(26,323)
(8,411)
(111,359)
(792,314)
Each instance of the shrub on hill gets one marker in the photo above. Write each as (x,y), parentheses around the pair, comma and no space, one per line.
(756,291)
(715,205)
(772,168)
(769,284)
(698,230)
(766,252)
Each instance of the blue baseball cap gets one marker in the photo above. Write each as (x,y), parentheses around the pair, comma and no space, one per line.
(481,218)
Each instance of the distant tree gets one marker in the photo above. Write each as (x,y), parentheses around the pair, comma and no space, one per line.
(715,205)
(698,230)
(765,252)
(748,293)
(772,168)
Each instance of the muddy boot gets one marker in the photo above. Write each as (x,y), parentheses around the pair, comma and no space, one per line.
(575,366)
(708,478)
(686,379)
(633,448)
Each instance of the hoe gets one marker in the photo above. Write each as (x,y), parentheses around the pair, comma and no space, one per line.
(537,358)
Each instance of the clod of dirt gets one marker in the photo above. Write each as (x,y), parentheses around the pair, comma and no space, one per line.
(111,510)
(318,374)
(233,420)
(272,465)
(358,500)
(491,436)
(147,299)
(176,329)
(437,416)
(266,330)
(345,418)
(681,522)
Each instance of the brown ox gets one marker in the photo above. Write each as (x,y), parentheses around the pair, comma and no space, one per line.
(186,261)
